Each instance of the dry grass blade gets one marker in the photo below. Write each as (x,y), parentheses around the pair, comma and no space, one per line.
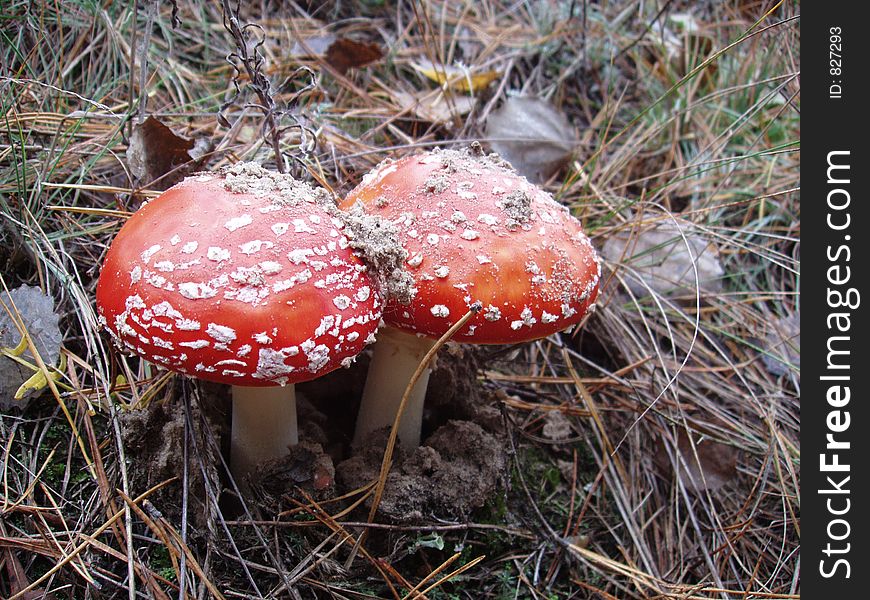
(394,431)
(82,546)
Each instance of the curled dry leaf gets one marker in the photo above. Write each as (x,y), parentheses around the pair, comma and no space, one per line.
(434,107)
(659,259)
(156,154)
(703,465)
(36,313)
(532,135)
(344,54)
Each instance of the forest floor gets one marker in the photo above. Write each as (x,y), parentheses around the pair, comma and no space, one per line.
(651,453)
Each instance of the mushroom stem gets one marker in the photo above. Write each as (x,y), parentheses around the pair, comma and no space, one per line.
(396,356)
(264,426)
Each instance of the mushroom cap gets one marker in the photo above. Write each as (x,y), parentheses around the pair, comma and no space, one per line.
(242,277)
(476,231)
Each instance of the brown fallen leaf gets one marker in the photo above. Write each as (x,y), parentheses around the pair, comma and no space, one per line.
(706,468)
(158,157)
(345,53)
(17,578)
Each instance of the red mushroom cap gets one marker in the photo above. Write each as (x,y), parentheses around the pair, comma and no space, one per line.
(242,277)
(476,231)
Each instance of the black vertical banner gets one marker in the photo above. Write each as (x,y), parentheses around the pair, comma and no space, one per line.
(835,257)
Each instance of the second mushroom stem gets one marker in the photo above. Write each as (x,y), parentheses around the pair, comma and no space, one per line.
(396,356)
(264,426)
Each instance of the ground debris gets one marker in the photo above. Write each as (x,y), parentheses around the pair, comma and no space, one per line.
(456,470)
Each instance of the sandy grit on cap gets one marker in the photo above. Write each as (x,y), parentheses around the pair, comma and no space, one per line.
(476,231)
(241,277)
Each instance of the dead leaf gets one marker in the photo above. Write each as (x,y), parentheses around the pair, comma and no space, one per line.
(17,578)
(345,53)
(457,77)
(434,107)
(36,312)
(155,152)
(532,136)
(659,259)
(703,464)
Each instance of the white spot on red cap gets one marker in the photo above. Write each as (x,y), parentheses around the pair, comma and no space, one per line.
(487,219)
(299,255)
(491,313)
(194,290)
(217,253)
(238,222)
(318,357)
(439,310)
(165,309)
(161,343)
(255,246)
(196,344)
(187,325)
(221,333)
(300,226)
(165,266)
(151,251)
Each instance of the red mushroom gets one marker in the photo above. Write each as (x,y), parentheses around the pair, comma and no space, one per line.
(243,277)
(475,232)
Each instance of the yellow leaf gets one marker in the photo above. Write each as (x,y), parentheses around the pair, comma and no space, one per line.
(457,77)
(38,380)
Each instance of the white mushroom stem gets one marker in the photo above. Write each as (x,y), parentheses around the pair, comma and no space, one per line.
(264,426)
(396,357)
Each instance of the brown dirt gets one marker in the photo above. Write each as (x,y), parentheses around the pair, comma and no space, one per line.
(154,437)
(306,466)
(456,470)
(455,393)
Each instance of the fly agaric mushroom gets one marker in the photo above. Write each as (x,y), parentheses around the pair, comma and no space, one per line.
(475,232)
(243,277)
